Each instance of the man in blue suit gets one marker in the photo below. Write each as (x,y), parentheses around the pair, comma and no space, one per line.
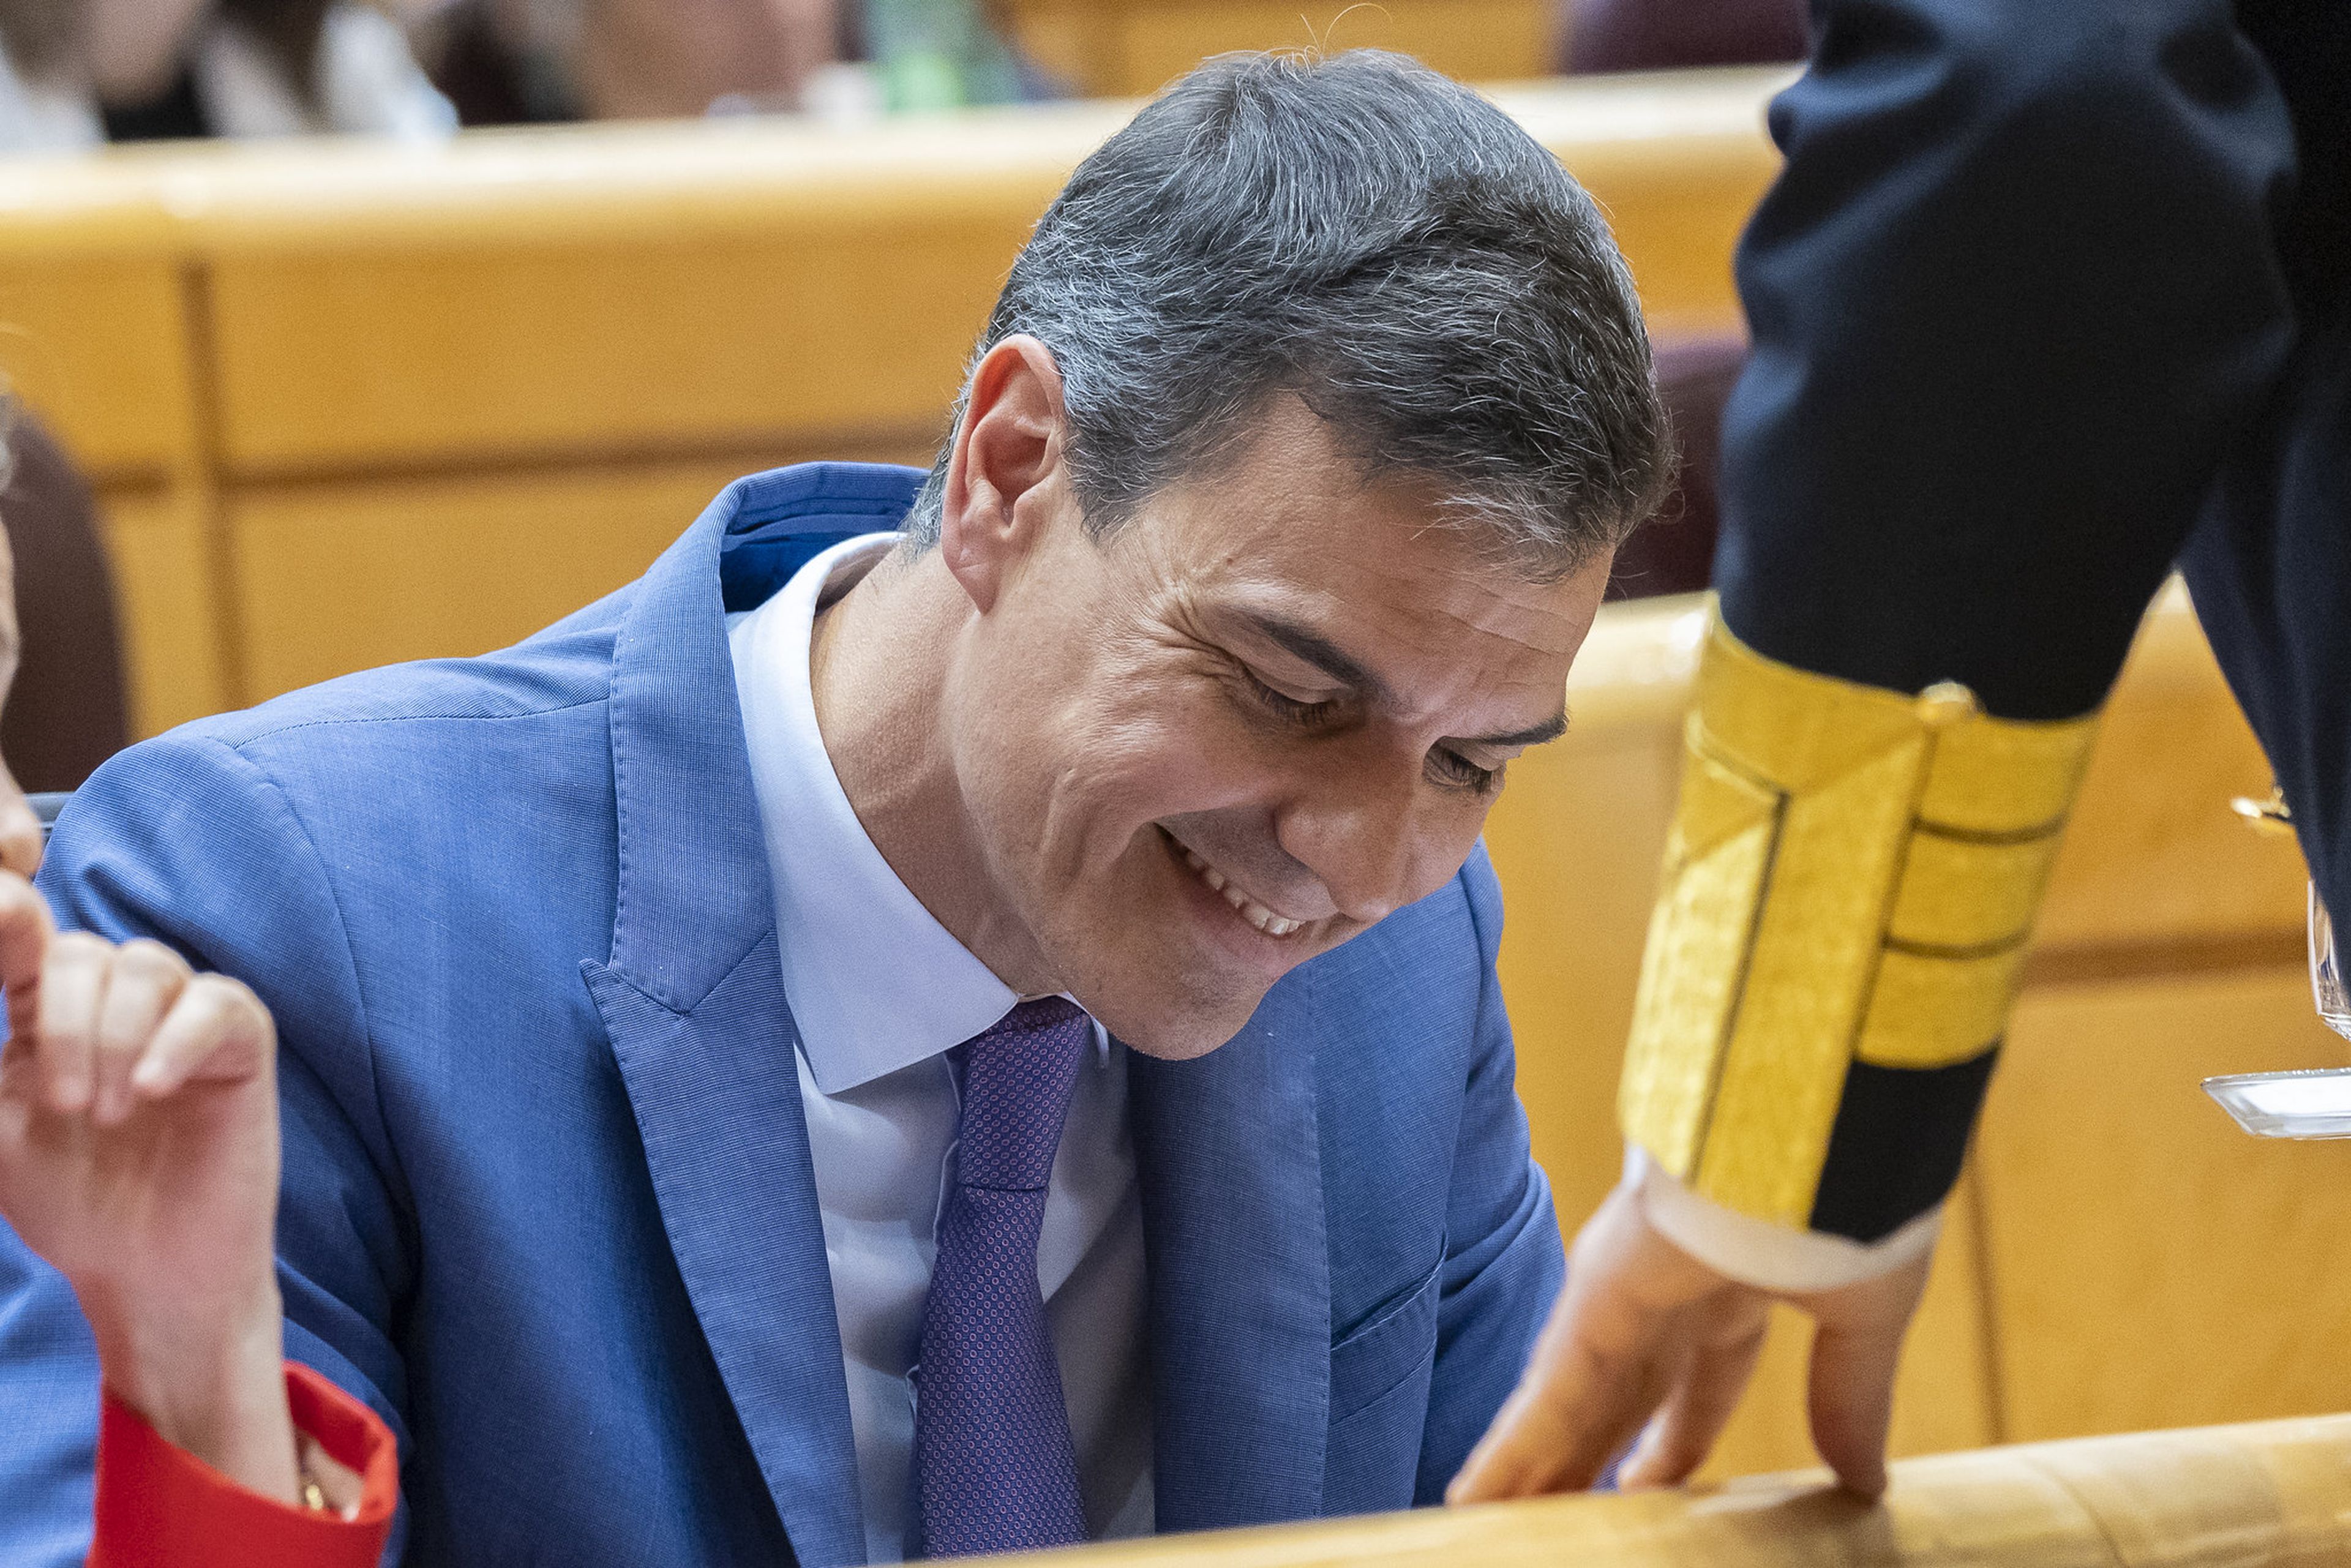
(958,1011)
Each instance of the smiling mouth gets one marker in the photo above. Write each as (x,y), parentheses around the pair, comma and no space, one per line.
(1224,887)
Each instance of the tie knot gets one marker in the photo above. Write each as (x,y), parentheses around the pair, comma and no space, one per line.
(1016,1077)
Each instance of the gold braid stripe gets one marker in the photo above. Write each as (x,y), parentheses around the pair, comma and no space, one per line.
(1852,874)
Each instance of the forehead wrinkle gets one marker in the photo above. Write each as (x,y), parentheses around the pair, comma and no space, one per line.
(1455,596)
(1430,630)
(1446,629)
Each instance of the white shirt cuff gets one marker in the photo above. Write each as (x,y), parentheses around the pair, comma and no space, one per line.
(1757,1252)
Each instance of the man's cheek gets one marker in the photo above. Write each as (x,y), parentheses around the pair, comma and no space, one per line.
(1220,760)
(1438,856)
(1151,771)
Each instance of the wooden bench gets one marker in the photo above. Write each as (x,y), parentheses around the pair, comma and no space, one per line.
(1125,49)
(350,403)
(2267,1495)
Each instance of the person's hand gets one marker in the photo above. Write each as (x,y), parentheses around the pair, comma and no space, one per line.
(20,831)
(138,1155)
(1645,1337)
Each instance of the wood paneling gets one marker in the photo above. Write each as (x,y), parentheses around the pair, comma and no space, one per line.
(1948,1394)
(451,566)
(1122,48)
(344,361)
(1470,40)
(306,341)
(97,343)
(2166,863)
(2151,1265)
(798,310)
(167,600)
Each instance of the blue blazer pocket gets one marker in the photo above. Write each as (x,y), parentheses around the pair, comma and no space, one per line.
(1379,1403)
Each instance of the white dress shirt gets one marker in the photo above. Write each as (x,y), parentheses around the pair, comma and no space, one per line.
(1758,1252)
(881,992)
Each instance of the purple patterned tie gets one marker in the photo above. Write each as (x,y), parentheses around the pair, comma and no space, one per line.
(995,1470)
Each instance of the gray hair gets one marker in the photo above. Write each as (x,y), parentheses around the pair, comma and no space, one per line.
(1382,243)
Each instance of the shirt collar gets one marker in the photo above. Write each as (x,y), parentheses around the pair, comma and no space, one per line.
(875,981)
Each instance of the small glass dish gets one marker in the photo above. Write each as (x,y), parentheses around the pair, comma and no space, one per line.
(2314,1103)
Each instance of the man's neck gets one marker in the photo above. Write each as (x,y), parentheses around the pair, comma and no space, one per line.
(878,662)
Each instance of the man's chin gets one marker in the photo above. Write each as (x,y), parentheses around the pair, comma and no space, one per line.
(1175,1030)
(1177,1047)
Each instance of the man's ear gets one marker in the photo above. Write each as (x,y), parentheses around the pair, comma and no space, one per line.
(1006,451)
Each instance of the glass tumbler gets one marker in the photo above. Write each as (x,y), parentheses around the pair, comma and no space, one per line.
(2327,980)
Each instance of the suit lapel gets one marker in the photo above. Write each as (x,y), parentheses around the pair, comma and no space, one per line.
(1229,1156)
(693,997)
(717,1104)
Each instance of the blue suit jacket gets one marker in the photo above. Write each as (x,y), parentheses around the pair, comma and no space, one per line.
(548,1202)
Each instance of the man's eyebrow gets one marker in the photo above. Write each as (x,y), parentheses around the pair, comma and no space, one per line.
(1549,729)
(1305,643)
(1319,651)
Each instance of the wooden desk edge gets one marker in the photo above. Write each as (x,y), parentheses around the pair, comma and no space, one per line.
(2260,1492)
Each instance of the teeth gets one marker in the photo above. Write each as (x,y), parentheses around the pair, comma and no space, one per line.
(1248,908)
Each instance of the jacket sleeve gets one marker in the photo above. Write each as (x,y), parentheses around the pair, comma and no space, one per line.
(1503,1258)
(186,841)
(2013,296)
(2012,299)
(159,1507)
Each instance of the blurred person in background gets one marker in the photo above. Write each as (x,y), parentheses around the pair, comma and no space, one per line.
(256,68)
(82,71)
(1602,35)
(533,61)
(20,833)
(45,98)
(69,708)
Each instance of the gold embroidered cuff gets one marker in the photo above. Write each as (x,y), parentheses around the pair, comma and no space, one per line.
(1852,875)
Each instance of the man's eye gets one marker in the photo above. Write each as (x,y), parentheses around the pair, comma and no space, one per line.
(1287,708)
(1457,772)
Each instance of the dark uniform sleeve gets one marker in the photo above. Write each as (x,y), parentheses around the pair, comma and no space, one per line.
(2012,299)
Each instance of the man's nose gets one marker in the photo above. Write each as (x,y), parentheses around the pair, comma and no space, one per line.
(1357,831)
